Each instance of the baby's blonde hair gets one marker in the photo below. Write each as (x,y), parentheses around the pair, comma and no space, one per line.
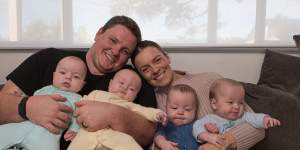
(183,88)
(216,86)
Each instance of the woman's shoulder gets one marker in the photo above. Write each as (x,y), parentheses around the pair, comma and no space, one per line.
(198,80)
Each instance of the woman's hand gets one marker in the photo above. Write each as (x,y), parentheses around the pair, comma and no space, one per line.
(212,138)
(164,144)
(169,145)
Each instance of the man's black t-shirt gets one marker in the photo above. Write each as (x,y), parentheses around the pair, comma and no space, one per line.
(37,71)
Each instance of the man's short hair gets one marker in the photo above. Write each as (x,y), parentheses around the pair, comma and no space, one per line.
(129,23)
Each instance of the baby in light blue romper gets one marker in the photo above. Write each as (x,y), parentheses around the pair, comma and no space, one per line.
(227,101)
(68,79)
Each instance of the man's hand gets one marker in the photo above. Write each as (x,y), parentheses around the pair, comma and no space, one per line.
(270,122)
(49,112)
(93,115)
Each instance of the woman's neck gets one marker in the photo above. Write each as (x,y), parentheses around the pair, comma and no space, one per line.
(176,76)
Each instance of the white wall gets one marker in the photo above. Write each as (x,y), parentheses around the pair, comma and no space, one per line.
(240,66)
(9,61)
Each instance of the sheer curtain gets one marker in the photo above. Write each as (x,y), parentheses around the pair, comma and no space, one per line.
(220,23)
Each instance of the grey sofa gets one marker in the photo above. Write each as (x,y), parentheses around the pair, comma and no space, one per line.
(278,93)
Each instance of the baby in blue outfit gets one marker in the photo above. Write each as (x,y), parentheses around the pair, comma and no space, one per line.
(68,78)
(227,101)
(181,109)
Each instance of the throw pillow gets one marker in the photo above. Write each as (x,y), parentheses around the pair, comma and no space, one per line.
(281,71)
(281,105)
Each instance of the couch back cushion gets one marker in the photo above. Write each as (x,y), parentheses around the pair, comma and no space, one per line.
(281,105)
(281,71)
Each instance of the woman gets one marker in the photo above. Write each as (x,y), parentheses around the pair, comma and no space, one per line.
(154,65)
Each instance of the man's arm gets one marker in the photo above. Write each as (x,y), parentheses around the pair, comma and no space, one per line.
(43,110)
(135,125)
(10,97)
(98,115)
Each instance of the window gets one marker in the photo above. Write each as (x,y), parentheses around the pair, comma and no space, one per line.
(236,22)
(282,20)
(4,30)
(40,23)
(73,23)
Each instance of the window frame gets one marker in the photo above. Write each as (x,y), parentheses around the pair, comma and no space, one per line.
(15,30)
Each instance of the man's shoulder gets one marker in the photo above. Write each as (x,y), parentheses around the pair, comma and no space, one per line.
(61,52)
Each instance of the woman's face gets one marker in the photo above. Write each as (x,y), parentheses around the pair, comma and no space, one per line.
(154,66)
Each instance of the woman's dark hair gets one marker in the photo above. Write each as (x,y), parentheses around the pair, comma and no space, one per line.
(129,23)
(142,45)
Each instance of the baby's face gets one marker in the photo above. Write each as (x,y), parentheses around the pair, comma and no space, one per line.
(69,75)
(126,84)
(229,102)
(181,107)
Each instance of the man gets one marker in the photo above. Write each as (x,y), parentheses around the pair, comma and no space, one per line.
(113,45)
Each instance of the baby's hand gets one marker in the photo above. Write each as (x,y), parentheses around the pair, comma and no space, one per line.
(70,135)
(162,118)
(211,128)
(270,122)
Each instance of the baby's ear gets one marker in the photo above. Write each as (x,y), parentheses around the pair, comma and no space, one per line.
(213,102)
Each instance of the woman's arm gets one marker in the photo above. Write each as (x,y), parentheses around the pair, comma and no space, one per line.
(246,135)
(99,115)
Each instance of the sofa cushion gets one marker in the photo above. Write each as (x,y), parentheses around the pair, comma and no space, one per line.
(281,105)
(281,71)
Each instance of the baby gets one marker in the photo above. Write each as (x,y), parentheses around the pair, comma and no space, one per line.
(227,102)
(181,109)
(122,91)
(68,78)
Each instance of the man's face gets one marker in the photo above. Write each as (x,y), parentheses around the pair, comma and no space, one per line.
(111,49)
